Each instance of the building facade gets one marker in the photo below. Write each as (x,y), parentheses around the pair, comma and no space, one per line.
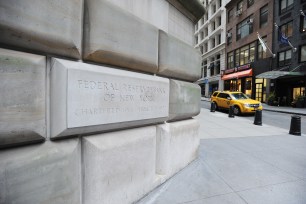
(245,56)
(211,40)
(290,60)
(97,96)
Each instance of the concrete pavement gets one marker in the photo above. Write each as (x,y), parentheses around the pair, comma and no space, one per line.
(239,162)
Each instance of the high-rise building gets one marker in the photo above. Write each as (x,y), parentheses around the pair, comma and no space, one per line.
(246,57)
(210,38)
(288,80)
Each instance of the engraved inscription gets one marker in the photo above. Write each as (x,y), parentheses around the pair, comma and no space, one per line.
(96,98)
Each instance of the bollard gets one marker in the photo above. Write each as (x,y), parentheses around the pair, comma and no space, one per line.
(212,107)
(231,112)
(295,125)
(257,118)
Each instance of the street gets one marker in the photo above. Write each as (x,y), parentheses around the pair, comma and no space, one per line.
(281,120)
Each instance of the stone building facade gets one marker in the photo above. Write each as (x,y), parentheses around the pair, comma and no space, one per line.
(96,100)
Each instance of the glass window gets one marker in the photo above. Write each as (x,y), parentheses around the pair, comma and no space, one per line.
(286,5)
(244,28)
(230,60)
(229,36)
(245,54)
(287,29)
(230,15)
(284,58)
(303,53)
(264,16)
(252,52)
(239,6)
(261,53)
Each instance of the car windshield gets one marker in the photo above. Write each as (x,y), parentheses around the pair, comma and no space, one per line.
(239,96)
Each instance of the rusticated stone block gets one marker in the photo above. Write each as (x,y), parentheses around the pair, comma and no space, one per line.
(53,27)
(119,167)
(177,144)
(184,99)
(45,173)
(177,59)
(23,103)
(88,98)
(116,37)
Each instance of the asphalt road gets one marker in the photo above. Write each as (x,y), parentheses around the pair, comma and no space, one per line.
(281,120)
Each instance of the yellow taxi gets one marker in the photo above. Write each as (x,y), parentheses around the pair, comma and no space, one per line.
(241,102)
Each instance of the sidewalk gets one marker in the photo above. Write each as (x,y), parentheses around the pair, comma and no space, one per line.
(239,162)
(280,109)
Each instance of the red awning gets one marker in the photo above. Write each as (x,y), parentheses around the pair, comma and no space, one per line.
(237,75)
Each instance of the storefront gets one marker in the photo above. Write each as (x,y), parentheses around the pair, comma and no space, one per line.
(287,86)
(238,79)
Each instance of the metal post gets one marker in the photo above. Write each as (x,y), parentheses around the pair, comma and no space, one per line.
(295,125)
(258,117)
(212,107)
(231,112)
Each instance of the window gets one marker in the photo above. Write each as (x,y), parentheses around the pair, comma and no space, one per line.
(213,25)
(230,60)
(287,29)
(303,24)
(244,28)
(250,3)
(239,6)
(219,39)
(201,35)
(220,3)
(218,64)
(261,53)
(230,15)
(205,68)
(285,5)
(245,54)
(264,16)
(303,54)
(219,21)
(213,43)
(201,49)
(229,36)
(196,40)
(284,58)
(214,8)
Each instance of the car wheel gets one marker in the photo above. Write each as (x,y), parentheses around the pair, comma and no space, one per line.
(237,110)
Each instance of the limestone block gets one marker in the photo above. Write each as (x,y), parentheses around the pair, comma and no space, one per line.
(88,98)
(177,145)
(45,173)
(119,167)
(116,37)
(184,99)
(178,59)
(22,103)
(53,27)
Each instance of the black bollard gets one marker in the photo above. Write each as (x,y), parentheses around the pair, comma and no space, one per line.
(212,107)
(257,118)
(231,112)
(295,125)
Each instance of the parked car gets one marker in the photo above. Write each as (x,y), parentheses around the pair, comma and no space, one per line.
(241,102)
